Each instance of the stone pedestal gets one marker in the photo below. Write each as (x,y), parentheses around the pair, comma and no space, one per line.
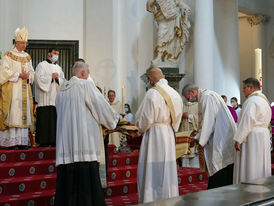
(172,76)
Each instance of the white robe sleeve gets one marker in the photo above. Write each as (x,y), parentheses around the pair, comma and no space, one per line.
(5,71)
(42,78)
(61,77)
(100,108)
(247,122)
(145,113)
(15,77)
(31,72)
(209,113)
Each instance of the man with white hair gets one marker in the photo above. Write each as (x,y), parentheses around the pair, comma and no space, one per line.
(157,118)
(215,134)
(16,75)
(81,109)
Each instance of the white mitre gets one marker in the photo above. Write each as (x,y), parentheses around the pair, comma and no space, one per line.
(21,34)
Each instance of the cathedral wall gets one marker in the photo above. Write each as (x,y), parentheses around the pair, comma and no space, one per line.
(57,20)
(119,46)
(222,75)
(117,39)
(258,36)
(226,51)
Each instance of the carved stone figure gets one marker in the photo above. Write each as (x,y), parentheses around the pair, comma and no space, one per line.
(173,30)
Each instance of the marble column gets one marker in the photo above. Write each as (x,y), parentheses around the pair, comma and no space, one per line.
(203,44)
(226,50)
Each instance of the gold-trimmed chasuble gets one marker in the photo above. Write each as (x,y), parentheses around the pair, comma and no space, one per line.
(6,95)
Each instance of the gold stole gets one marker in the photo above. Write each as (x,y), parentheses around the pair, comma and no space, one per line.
(201,151)
(6,94)
(5,100)
(167,100)
(260,95)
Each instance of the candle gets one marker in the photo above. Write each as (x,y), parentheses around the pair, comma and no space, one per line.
(123,99)
(258,65)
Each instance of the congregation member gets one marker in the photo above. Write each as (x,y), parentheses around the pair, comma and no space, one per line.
(252,141)
(231,109)
(128,115)
(81,109)
(114,138)
(215,135)
(48,80)
(158,116)
(16,77)
(235,105)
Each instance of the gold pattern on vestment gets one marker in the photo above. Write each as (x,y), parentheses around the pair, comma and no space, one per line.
(202,161)
(26,90)
(178,33)
(259,95)
(5,101)
(24,102)
(113,103)
(18,58)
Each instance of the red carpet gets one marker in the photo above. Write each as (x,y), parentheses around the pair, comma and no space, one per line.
(28,177)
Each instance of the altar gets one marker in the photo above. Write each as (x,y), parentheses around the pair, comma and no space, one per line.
(257,192)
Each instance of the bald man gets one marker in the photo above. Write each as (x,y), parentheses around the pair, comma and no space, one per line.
(157,118)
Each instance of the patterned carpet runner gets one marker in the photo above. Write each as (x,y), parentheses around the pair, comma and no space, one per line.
(28,177)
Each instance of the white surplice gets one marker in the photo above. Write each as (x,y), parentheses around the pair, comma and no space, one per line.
(254,159)
(217,131)
(45,87)
(81,109)
(157,170)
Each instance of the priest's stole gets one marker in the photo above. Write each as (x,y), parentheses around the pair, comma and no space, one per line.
(183,141)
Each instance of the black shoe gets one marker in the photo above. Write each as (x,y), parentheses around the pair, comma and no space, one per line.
(12,148)
(23,147)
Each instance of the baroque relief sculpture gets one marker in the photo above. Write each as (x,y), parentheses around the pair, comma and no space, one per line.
(255,19)
(173,30)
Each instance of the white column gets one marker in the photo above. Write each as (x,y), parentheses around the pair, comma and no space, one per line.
(226,49)
(203,44)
